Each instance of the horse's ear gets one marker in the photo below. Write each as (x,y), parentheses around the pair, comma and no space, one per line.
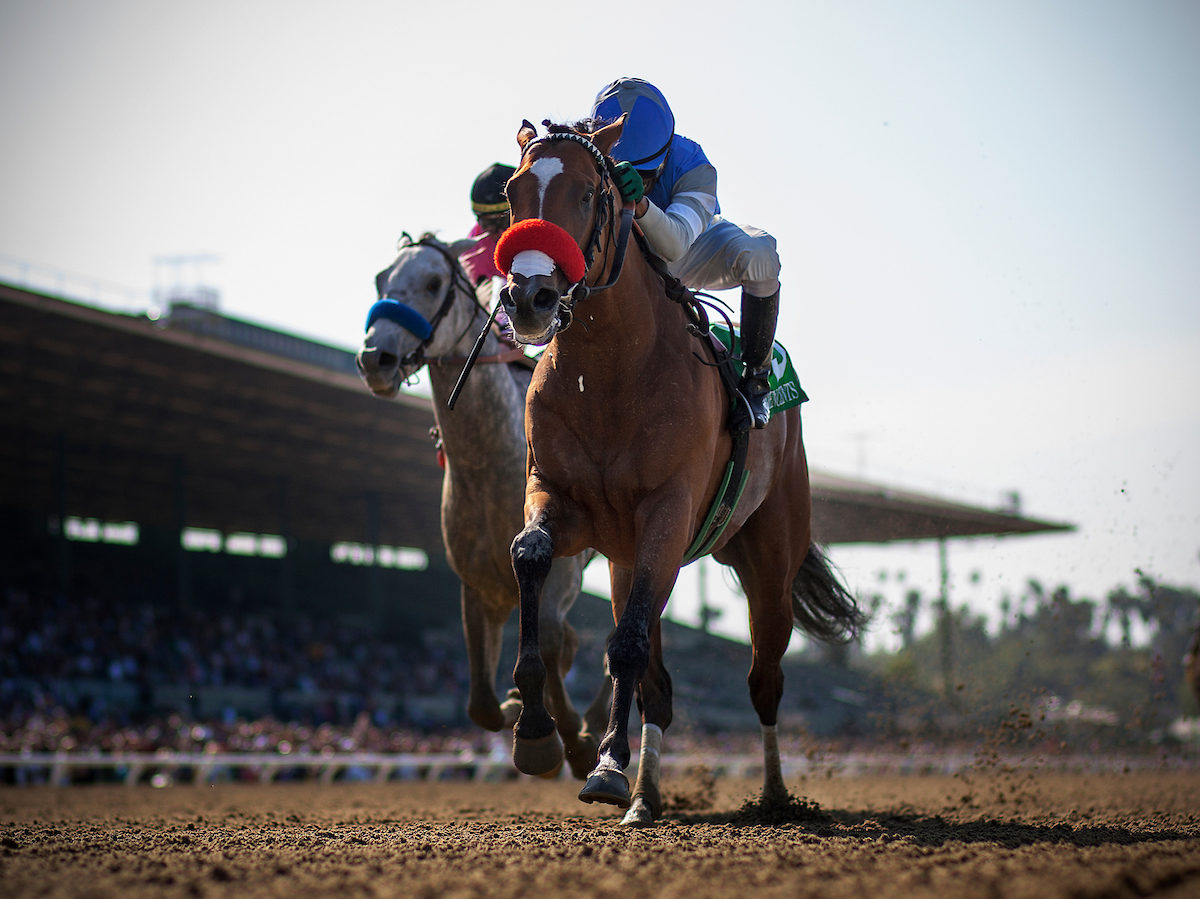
(462,246)
(525,134)
(607,136)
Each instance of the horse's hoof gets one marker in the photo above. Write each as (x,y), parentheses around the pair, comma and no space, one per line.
(607,785)
(776,798)
(510,711)
(583,755)
(489,715)
(541,757)
(639,814)
(775,792)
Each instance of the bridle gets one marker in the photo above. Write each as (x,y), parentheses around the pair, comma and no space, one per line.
(393,309)
(604,217)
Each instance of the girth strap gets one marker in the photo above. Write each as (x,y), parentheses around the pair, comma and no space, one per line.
(725,501)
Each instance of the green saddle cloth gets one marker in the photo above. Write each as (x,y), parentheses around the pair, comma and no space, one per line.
(785,386)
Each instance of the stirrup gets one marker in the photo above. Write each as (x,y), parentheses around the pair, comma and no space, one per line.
(755,391)
(760,412)
(748,412)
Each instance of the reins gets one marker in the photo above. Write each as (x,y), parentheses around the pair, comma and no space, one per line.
(472,357)
(515,354)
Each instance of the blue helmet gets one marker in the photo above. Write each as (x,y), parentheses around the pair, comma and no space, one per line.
(648,129)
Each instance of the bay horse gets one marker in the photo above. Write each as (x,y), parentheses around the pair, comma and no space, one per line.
(629,437)
(428,315)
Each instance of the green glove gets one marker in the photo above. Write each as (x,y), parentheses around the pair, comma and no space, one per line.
(629,182)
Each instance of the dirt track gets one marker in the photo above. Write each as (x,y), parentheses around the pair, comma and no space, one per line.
(988,835)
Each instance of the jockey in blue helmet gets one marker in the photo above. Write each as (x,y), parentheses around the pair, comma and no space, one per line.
(675,189)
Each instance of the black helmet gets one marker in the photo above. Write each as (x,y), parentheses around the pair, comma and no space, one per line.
(487,193)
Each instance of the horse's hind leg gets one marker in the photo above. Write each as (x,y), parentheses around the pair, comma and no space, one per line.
(484,632)
(559,643)
(537,748)
(770,605)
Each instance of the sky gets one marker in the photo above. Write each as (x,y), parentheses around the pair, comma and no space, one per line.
(988,216)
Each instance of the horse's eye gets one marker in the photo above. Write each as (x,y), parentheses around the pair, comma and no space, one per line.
(587,196)
(434,285)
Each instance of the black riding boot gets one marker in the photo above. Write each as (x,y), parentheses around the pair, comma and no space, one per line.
(759,315)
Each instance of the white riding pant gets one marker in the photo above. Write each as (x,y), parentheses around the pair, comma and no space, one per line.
(728,255)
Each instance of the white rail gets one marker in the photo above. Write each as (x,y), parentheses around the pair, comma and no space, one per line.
(202,768)
(162,768)
(63,768)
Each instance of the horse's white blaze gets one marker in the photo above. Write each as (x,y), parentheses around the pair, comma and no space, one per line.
(544,170)
(532,262)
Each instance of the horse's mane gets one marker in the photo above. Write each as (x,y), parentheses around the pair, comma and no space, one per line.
(583,126)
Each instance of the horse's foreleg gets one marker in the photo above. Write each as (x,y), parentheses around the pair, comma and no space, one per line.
(537,748)
(596,717)
(628,658)
(655,701)
(647,800)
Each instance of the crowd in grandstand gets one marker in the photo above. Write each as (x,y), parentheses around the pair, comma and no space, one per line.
(79,674)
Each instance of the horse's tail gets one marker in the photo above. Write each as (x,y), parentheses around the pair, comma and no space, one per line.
(821,606)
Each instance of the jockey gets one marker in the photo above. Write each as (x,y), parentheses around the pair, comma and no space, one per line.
(674,187)
(490,206)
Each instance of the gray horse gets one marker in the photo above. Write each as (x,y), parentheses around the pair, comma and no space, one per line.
(428,314)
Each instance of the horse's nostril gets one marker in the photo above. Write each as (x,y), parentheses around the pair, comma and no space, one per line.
(388,360)
(545,300)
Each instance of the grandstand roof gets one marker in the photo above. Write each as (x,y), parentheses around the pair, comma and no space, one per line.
(850,510)
(156,424)
(213,422)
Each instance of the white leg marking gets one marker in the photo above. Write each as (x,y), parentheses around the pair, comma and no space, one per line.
(651,754)
(607,762)
(774,788)
(770,738)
